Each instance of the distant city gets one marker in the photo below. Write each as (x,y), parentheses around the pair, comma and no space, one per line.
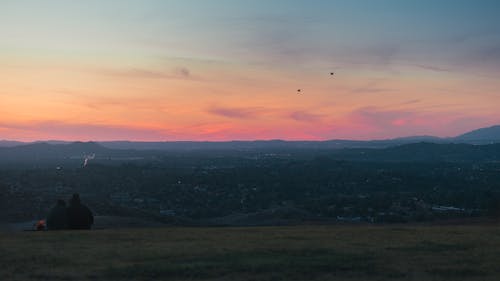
(259,182)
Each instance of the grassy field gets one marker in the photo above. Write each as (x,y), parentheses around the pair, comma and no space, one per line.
(255,253)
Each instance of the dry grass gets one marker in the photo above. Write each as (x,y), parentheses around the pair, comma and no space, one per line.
(255,253)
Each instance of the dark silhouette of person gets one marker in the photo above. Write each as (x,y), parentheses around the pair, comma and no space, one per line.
(79,215)
(58,216)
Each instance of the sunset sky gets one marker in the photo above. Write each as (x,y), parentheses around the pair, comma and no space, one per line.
(165,70)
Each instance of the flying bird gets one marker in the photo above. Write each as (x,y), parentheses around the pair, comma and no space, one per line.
(332,73)
(299,90)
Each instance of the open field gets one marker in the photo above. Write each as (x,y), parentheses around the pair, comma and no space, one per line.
(255,253)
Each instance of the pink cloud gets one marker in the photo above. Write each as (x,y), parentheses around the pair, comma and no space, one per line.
(79,131)
(380,123)
(239,113)
(303,116)
(362,123)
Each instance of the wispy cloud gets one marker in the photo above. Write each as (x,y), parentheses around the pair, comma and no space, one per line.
(383,123)
(485,57)
(370,90)
(182,72)
(303,116)
(80,131)
(239,113)
(433,68)
(410,102)
(371,87)
(141,73)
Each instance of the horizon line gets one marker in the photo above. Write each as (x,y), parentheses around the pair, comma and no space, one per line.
(222,141)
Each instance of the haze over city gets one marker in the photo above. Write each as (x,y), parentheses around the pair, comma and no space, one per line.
(230,70)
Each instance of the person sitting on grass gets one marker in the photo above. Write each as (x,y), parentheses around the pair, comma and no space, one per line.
(58,216)
(79,215)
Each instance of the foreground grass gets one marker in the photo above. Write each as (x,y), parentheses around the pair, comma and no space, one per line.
(257,253)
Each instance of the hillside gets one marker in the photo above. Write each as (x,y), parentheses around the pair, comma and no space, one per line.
(47,151)
(42,154)
(39,153)
(482,135)
(479,136)
(425,152)
(257,253)
(7,143)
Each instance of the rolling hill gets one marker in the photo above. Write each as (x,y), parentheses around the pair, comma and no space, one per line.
(57,149)
(481,136)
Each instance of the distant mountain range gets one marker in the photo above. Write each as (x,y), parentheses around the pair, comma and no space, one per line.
(424,152)
(488,135)
(37,153)
(6,143)
(482,135)
(478,145)
(74,154)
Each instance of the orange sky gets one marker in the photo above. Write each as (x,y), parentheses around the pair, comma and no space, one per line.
(222,83)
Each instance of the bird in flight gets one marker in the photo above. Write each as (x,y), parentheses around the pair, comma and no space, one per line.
(300,90)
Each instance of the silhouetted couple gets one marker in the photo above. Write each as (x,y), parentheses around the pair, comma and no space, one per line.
(75,216)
